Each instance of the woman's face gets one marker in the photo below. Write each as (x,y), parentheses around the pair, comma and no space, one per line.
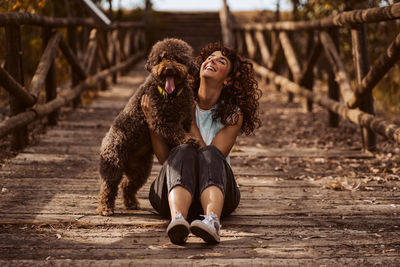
(216,67)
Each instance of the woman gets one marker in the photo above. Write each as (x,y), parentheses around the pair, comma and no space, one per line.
(193,182)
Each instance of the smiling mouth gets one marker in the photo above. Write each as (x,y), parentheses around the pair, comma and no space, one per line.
(209,67)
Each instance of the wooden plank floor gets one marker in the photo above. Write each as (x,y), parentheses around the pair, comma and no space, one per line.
(287,215)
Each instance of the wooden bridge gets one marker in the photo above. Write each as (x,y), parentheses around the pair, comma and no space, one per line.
(314,191)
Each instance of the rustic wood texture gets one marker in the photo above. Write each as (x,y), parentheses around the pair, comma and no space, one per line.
(379,125)
(50,81)
(45,64)
(13,87)
(337,64)
(359,42)
(64,98)
(343,19)
(49,196)
(381,66)
(14,67)
(72,60)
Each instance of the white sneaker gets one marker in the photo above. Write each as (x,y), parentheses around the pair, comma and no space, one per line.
(178,229)
(207,229)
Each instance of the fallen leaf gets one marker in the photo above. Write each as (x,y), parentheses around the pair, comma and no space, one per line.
(342,184)
(198,256)
(213,254)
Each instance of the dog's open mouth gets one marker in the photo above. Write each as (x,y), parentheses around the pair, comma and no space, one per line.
(169,84)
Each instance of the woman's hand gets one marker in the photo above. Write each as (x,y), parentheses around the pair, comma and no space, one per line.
(160,147)
(145,105)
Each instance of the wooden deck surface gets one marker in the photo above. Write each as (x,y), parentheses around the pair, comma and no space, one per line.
(287,215)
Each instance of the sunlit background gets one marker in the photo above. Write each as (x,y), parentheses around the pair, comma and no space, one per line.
(186,5)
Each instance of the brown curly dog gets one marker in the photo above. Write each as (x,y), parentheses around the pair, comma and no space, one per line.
(126,148)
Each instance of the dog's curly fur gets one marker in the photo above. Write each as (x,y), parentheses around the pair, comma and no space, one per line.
(126,148)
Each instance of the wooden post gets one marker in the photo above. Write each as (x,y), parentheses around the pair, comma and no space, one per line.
(251,48)
(72,42)
(333,90)
(112,53)
(51,86)
(226,24)
(71,36)
(14,68)
(308,81)
(102,41)
(361,63)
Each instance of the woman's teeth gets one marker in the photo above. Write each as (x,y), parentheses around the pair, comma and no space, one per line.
(210,68)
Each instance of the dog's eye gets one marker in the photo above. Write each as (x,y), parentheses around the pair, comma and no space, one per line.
(179,60)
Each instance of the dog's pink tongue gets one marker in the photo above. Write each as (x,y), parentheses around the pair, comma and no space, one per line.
(169,85)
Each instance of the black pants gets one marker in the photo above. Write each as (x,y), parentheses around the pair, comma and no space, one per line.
(194,170)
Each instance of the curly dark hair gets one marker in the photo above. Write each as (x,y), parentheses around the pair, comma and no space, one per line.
(240,92)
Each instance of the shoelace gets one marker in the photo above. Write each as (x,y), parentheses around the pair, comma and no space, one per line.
(212,220)
(178,215)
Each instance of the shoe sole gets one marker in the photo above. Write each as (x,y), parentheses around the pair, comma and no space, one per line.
(198,230)
(178,234)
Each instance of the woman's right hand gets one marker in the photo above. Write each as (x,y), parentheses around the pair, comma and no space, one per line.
(145,105)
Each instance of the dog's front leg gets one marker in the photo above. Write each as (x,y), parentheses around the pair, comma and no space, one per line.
(175,136)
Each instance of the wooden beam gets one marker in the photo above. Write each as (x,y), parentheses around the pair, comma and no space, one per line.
(378,125)
(340,72)
(265,54)
(361,63)
(251,48)
(345,18)
(277,49)
(96,12)
(103,51)
(381,66)
(226,24)
(46,60)
(63,98)
(307,76)
(50,80)
(91,51)
(14,68)
(15,89)
(239,42)
(72,60)
(290,55)
(22,18)
(311,61)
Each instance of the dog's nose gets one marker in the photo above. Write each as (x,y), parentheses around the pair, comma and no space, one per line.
(169,71)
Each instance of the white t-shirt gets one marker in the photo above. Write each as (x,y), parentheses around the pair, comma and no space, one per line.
(207,126)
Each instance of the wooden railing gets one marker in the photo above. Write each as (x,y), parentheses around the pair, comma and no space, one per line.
(110,50)
(267,44)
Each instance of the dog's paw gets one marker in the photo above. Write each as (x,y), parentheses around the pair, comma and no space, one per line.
(131,203)
(105,211)
(193,142)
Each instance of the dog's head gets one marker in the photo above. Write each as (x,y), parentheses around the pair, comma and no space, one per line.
(170,61)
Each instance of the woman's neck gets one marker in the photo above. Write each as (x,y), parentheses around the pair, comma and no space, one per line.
(208,94)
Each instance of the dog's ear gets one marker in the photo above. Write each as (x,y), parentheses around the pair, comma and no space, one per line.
(193,69)
(148,65)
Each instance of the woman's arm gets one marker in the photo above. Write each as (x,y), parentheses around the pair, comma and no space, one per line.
(226,137)
(194,129)
(160,147)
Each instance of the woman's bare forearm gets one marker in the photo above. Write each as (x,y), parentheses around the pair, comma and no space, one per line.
(160,147)
(194,130)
